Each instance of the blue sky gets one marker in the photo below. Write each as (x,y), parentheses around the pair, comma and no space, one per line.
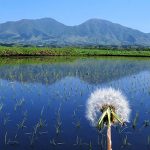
(131,13)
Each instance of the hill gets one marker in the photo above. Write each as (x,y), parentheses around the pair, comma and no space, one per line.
(91,32)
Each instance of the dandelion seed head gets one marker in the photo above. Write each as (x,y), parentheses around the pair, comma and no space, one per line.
(107,97)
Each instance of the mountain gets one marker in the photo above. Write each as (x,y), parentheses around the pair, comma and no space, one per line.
(50,31)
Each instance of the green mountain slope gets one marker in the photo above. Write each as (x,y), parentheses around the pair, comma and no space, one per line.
(49,31)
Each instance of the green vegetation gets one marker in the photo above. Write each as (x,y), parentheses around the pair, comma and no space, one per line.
(69,51)
(47,31)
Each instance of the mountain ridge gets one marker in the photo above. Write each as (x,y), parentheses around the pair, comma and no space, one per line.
(91,32)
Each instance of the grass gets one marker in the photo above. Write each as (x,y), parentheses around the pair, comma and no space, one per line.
(69,51)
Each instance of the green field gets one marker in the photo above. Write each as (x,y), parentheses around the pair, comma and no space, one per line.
(40,51)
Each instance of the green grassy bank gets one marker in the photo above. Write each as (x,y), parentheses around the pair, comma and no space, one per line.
(39,51)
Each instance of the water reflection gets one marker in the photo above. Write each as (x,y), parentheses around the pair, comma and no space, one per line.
(92,71)
(43,101)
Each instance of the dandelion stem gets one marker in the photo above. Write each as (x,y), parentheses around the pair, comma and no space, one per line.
(109,147)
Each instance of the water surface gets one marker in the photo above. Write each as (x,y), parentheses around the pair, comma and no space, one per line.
(43,102)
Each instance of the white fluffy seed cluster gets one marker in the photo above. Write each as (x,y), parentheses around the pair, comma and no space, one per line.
(110,97)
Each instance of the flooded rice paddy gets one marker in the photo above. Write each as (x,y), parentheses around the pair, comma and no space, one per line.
(43,102)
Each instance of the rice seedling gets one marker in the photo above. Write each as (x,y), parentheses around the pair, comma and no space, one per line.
(41,123)
(1,106)
(146,123)
(54,143)
(58,122)
(6,119)
(42,110)
(41,133)
(33,135)
(32,139)
(74,113)
(13,143)
(25,114)
(19,104)
(102,143)
(6,138)
(78,125)
(90,145)
(123,130)
(134,123)
(21,125)
(125,142)
(78,142)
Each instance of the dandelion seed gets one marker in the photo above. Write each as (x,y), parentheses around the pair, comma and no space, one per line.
(107,107)
(107,97)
